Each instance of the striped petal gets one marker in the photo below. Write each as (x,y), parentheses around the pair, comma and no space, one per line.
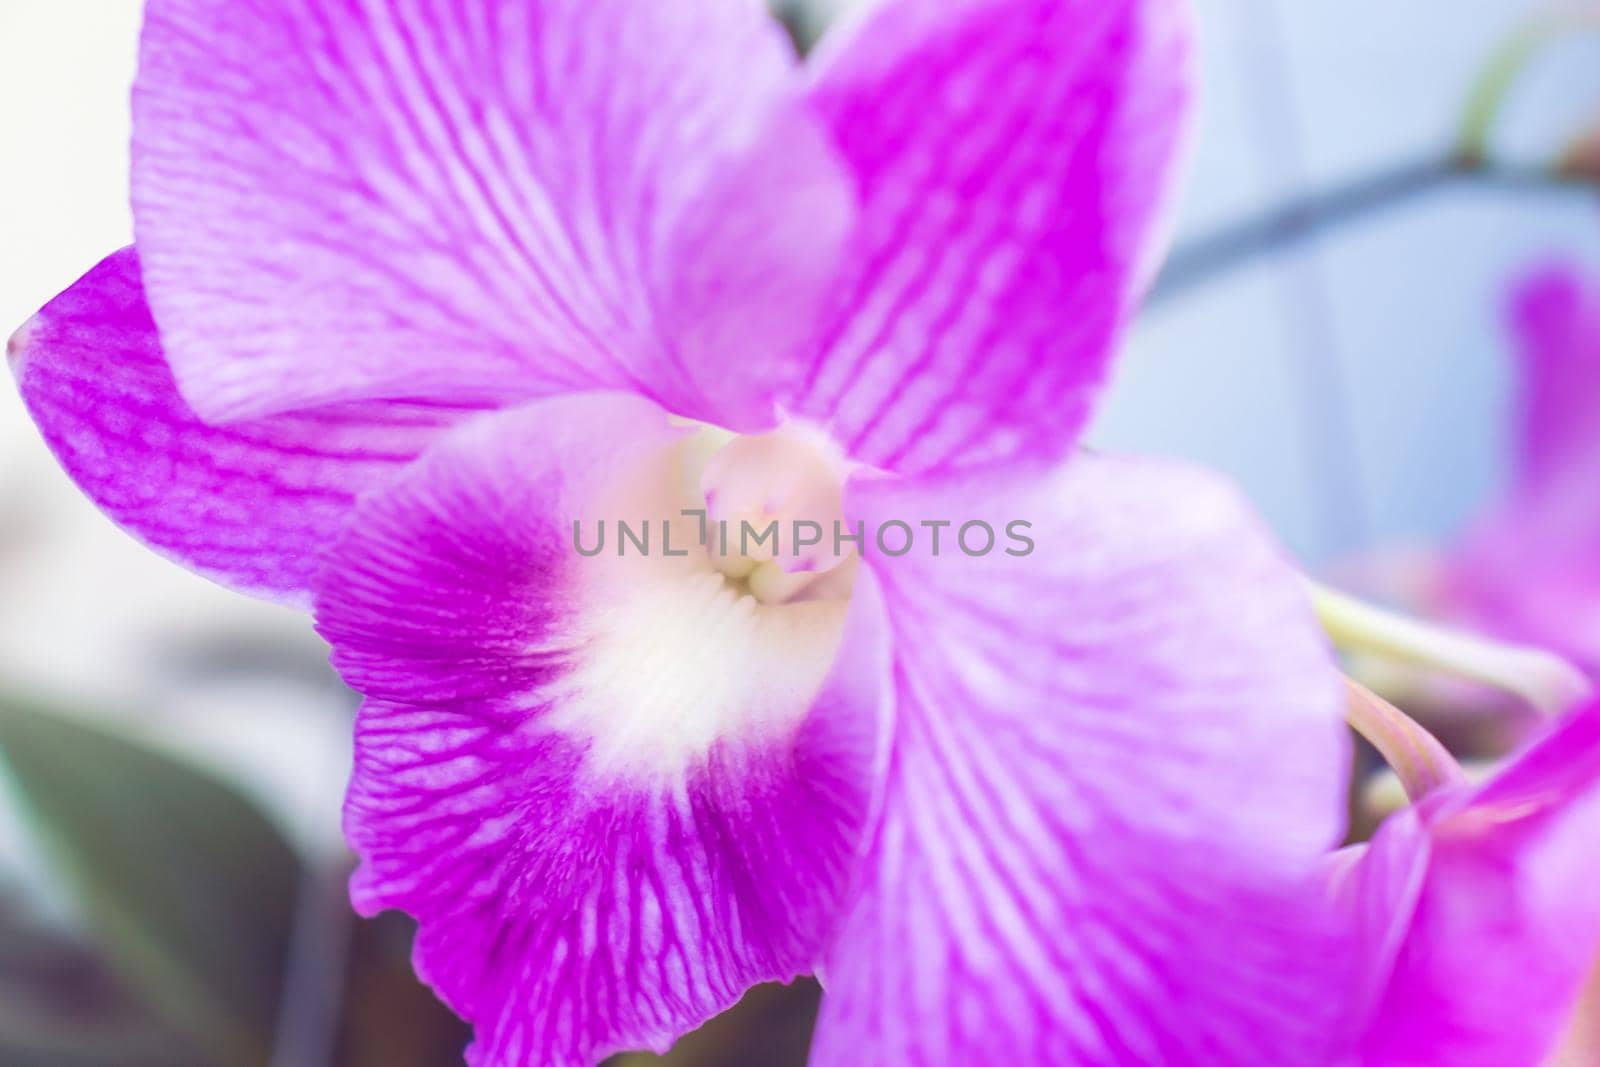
(480,199)
(1117,762)
(614,792)
(1014,157)
(253,505)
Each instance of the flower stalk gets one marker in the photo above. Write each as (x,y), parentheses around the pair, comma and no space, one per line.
(1543,679)
(1417,758)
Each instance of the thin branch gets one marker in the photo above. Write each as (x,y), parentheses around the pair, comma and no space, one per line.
(1232,247)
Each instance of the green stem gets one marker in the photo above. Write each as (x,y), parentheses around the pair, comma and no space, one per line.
(1489,94)
(1545,680)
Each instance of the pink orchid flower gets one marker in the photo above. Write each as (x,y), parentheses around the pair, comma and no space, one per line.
(1478,911)
(1530,571)
(424,287)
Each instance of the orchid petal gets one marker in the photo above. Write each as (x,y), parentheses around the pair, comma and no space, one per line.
(1556,315)
(1118,761)
(1014,157)
(612,805)
(1480,918)
(1530,570)
(253,505)
(342,199)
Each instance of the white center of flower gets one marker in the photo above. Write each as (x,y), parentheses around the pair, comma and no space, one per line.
(727,640)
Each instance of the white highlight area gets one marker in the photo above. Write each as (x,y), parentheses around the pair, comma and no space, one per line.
(675,655)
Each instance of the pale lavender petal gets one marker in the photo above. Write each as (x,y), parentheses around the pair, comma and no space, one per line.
(1117,763)
(1014,156)
(754,262)
(340,199)
(1480,912)
(253,505)
(613,806)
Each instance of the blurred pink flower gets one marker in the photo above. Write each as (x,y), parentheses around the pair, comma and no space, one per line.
(1478,911)
(421,284)
(1530,571)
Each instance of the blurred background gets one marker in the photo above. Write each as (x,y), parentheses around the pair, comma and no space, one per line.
(1330,333)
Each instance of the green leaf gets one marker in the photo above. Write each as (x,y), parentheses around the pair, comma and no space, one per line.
(188,888)
(60,1006)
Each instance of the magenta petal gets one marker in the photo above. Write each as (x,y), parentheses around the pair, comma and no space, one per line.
(342,199)
(253,505)
(1118,761)
(1014,157)
(1556,315)
(1480,914)
(1531,569)
(602,853)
